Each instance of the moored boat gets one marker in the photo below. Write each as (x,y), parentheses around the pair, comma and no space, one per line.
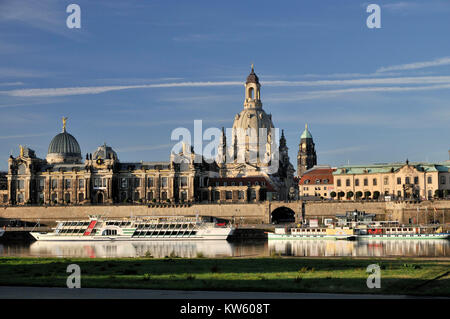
(138,228)
(370,232)
(305,233)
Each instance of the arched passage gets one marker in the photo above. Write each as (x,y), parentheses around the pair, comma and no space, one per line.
(283,215)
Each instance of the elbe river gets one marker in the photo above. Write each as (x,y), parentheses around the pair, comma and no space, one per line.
(301,248)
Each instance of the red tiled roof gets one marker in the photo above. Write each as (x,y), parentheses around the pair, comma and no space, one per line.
(318,174)
(245,180)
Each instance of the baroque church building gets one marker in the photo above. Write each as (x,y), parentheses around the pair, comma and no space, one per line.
(252,150)
(251,168)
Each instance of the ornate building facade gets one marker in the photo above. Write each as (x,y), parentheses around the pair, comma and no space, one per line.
(64,178)
(306,157)
(317,182)
(393,180)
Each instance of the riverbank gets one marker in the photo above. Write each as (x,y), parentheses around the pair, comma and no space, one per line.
(276,274)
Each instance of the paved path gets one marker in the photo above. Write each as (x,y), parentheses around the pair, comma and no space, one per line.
(101,293)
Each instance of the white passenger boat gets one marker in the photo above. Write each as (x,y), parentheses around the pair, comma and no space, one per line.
(138,228)
(371,232)
(305,233)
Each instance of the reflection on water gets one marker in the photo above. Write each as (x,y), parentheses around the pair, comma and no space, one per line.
(373,248)
(312,248)
(157,249)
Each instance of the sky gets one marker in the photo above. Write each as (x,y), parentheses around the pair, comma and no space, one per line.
(137,70)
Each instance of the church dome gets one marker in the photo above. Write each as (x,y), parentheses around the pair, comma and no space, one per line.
(104,152)
(64,148)
(253,118)
(252,77)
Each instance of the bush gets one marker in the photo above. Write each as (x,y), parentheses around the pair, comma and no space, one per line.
(333,194)
(349,194)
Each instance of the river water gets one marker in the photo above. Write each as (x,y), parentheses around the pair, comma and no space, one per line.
(306,248)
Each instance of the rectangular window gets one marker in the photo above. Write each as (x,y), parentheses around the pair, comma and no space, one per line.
(151,182)
(68,183)
(347,182)
(21,184)
(81,183)
(442,179)
(407,181)
(366,182)
(338,182)
(41,183)
(164,182)
(54,183)
(123,183)
(184,181)
(386,181)
(356,182)
(374,182)
(429,180)
(137,182)
(399,180)
(416,180)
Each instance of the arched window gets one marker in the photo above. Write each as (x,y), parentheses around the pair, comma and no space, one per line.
(250,93)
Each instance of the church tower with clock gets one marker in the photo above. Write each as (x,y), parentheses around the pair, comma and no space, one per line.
(306,157)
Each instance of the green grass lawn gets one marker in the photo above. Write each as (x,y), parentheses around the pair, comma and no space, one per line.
(336,275)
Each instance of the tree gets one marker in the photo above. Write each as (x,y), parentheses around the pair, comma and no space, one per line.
(376,195)
(349,195)
(438,193)
(446,193)
(333,194)
(359,194)
(367,194)
(341,194)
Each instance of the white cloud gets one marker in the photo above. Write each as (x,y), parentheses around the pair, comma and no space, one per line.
(26,135)
(320,94)
(373,81)
(103,89)
(416,65)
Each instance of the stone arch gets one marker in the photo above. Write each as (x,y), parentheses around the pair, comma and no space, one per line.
(282,215)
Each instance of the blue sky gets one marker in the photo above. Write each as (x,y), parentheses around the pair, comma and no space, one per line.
(136,70)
